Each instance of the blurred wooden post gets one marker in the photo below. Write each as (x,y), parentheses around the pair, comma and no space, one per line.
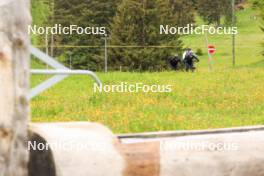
(14,72)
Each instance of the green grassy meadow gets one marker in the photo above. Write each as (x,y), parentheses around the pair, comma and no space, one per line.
(223,97)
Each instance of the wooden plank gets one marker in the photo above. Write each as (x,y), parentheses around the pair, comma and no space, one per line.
(14,70)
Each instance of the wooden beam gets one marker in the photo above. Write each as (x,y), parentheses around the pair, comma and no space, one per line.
(14,77)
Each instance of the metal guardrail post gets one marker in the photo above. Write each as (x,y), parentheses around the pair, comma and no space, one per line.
(61,72)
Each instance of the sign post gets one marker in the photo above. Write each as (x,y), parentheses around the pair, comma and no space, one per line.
(210,50)
(233,36)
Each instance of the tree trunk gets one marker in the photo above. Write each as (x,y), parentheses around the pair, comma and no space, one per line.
(14,73)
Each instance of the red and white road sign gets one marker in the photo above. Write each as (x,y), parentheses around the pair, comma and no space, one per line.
(211,49)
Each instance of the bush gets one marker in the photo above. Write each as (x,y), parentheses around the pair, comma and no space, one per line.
(199,52)
(255,4)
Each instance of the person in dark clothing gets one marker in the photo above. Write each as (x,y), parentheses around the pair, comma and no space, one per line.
(188,59)
(175,62)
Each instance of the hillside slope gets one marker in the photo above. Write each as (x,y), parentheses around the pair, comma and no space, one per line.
(248,42)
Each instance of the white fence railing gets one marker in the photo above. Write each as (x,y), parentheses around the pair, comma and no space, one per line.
(60,71)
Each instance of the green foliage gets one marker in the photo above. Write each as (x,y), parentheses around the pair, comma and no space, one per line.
(137,23)
(199,52)
(40,11)
(183,11)
(257,4)
(97,13)
(213,11)
(133,23)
